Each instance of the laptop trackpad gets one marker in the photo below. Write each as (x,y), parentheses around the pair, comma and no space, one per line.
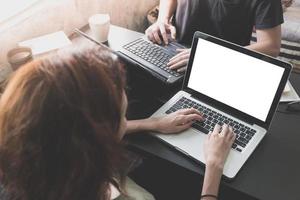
(189,142)
(172,47)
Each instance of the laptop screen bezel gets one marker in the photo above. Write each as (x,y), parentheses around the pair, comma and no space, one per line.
(228,109)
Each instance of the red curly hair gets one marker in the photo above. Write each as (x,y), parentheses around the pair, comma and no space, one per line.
(59,122)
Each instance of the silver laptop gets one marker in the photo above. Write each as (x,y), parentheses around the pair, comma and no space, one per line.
(229,85)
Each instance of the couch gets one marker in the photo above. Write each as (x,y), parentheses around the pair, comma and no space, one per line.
(290,50)
(69,14)
(66,15)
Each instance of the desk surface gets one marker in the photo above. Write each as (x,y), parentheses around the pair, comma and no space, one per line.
(272,171)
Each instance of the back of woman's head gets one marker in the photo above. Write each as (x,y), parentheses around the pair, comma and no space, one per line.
(59,122)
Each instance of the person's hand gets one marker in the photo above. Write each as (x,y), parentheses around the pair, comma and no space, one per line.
(178,121)
(161,29)
(179,61)
(218,145)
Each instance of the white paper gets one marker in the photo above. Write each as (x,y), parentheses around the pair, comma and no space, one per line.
(289,94)
(47,43)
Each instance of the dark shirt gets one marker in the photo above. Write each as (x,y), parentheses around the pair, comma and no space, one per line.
(231,20)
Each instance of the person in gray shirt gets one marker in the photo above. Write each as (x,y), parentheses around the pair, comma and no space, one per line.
(231,20)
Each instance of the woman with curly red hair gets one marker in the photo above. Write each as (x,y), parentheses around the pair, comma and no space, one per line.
(61,122)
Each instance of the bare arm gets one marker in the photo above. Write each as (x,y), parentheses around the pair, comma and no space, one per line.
(212,180)
(268,41)
(163,25)
(216,149)
(166,10)
(134,126)
(172,123)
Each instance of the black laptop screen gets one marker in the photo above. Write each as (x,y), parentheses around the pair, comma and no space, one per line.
(240,81)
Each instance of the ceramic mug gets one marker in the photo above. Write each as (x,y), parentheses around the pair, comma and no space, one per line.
(99,25)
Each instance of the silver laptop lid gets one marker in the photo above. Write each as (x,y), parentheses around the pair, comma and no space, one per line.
(241,82)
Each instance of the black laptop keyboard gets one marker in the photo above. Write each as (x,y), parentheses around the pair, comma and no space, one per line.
(243,133)
(151,53)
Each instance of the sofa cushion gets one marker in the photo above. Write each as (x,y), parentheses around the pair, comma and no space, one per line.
(291,25)
(131,14)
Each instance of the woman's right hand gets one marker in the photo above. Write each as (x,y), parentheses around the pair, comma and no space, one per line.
(217,146)
(160,30)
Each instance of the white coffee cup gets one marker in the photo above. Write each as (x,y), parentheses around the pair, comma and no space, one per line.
(99,25)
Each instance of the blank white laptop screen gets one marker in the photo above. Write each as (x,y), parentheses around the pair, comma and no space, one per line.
(243,82)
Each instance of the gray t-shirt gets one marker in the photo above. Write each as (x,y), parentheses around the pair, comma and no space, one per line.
(231,20)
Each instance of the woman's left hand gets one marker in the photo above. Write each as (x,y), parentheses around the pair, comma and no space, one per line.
(178,121)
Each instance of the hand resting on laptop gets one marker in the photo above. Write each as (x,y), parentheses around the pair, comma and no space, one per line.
(216,147)
(158,33)
(172,123)
(179,121)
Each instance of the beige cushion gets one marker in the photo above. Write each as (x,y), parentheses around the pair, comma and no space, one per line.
(291,25)
(68,14)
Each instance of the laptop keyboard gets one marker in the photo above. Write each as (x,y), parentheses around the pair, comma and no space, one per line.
(151,53)
(243,133)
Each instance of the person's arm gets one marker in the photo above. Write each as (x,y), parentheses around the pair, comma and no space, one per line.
(171,123)
(166,10)
(163,25)
(268,41)
(212,179)
(134,126)
(216,149)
